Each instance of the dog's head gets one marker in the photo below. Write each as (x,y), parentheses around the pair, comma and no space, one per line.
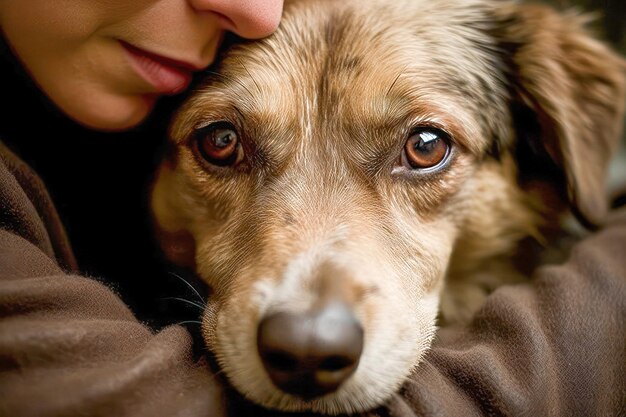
(324,181)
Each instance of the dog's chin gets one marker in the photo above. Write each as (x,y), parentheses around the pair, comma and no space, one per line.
(390,354)
(363,391)
(353,397)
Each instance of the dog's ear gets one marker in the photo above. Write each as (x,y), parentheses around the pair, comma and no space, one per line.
(574,88)
(169,219)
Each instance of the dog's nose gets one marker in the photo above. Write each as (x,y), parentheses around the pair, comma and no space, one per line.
(310,354)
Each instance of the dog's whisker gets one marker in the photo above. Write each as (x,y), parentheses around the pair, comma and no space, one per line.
(395,80)
(232,80)
(189,322)
(202,300)
(183,300)
(219,372)
(249,74)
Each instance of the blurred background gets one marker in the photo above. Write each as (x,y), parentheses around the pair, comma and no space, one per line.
(611,21)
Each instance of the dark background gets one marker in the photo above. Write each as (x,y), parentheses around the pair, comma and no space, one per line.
(100,183)
(612,17)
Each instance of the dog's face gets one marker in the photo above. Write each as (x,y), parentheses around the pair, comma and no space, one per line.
(325,180)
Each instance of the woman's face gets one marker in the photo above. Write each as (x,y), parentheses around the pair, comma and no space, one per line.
(105,62)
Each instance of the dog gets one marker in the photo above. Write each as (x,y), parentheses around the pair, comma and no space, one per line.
(370,166)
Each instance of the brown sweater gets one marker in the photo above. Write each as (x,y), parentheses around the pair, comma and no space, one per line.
(70,347)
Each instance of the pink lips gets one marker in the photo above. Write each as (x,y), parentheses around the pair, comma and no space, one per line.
(167,76)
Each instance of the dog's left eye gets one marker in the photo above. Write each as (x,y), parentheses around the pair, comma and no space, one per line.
(218,144)
(426,148)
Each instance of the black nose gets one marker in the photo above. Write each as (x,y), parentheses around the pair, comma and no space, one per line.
(310,354)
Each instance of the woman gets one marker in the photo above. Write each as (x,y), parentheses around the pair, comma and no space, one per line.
(69,346)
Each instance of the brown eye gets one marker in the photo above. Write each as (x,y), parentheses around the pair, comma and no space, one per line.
(218,143)
(426,148)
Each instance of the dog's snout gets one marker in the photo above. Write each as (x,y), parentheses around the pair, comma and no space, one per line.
(310,354)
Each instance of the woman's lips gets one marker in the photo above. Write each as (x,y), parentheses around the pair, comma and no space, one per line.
(167,76)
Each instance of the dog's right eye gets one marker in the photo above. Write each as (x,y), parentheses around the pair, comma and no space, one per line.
(218,143)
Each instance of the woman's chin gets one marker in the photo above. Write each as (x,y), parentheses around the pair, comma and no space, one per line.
(113,114)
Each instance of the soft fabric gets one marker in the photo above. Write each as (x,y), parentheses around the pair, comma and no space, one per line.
(68,345)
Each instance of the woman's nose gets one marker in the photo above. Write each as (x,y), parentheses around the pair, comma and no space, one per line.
(247,18)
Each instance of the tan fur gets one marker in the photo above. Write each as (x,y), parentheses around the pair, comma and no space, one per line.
(319,207)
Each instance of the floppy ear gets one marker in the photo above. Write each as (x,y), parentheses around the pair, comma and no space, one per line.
(575,88)
(169,220)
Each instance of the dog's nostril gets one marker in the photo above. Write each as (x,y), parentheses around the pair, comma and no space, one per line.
(281,361)
(313,353)
(335,363)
